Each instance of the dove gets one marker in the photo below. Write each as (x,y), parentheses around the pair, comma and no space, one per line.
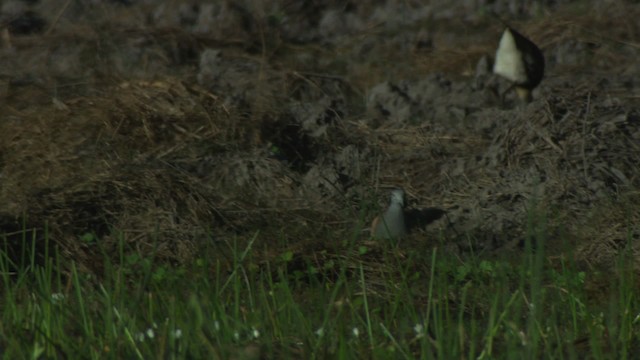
(391,224)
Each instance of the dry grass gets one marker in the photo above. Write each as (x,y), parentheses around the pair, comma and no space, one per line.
(138,149)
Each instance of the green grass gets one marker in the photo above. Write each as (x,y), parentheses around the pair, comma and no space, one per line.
(360,302)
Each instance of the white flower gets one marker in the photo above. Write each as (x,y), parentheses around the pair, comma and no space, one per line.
(236,336)
(320,332)
(150,333)
(355,332)
(57,298)
(140,337)
(419,329)
(177,333)
(255,333)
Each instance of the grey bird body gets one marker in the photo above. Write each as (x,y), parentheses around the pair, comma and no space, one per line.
(391,224)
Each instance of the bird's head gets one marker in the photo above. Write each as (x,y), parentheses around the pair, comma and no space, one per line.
(397,197)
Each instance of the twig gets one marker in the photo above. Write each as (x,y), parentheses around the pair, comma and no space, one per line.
(57,18)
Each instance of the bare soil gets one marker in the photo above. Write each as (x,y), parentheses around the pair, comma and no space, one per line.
(175,123)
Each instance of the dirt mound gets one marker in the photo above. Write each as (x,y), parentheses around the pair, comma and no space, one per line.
(158,126)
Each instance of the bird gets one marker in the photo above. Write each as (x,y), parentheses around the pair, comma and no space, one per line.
(520,61)
(391,223)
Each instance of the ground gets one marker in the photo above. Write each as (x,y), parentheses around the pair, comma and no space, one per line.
(171,125)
